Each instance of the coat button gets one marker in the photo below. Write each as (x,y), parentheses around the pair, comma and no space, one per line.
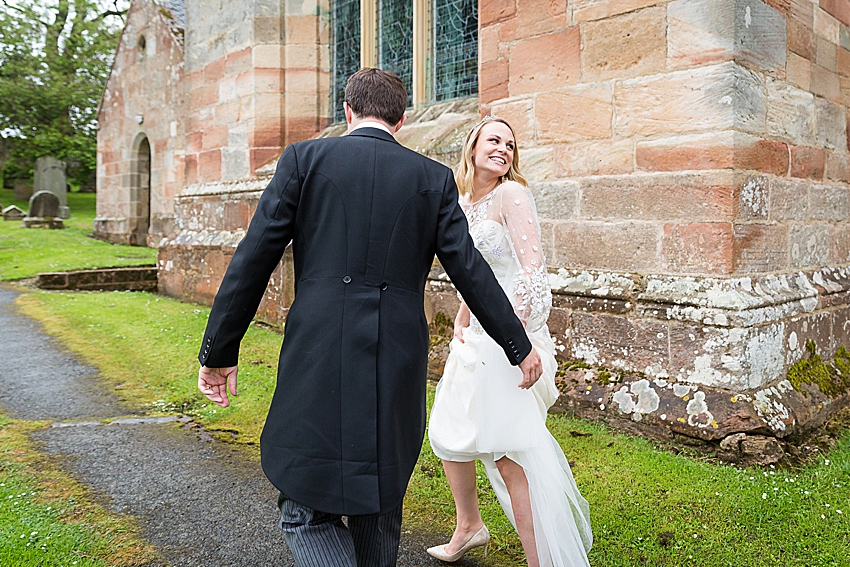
(346,279)
(383,286)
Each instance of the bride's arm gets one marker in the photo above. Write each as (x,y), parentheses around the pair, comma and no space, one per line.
(461,321)
(533,296)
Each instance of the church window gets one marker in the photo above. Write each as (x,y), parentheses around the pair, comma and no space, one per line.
(432,45)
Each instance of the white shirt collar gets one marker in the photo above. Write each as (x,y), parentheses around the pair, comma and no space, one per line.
(372,124)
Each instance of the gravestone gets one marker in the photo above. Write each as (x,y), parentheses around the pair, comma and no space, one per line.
(50,176)
(43,211)
(23,189)
(13,213)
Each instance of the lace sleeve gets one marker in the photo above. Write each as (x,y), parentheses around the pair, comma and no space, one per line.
(531,282)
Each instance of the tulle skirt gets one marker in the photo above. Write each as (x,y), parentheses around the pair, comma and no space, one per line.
(480,413)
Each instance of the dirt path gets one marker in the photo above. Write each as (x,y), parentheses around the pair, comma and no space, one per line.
(202,503)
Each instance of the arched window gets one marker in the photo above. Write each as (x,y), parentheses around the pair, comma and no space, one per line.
(140,192)
(432,45)
(141,48)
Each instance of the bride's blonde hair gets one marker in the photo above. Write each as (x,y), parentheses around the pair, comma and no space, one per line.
(466,168)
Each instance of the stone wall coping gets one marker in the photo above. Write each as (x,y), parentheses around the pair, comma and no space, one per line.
(225,187)
(218,238)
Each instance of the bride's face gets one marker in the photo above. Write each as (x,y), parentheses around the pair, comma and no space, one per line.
(493,152)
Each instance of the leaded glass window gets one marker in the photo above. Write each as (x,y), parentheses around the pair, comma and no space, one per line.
(346,42)
(455,48)
(395,40)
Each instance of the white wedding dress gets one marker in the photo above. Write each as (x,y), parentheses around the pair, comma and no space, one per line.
(480,413)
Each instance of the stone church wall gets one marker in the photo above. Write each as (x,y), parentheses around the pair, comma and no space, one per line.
(143,99)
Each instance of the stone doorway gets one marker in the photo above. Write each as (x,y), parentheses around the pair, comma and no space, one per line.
(140,192)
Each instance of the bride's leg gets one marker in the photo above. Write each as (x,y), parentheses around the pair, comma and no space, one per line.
(461,477)
(514,477)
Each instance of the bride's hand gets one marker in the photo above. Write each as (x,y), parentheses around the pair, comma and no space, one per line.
(461,321)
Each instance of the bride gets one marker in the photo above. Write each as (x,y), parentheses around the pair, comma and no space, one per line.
(479,412)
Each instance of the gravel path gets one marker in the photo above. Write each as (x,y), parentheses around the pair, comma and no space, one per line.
(200,502)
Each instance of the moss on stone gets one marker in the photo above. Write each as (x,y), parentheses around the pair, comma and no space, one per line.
(604,377)
(832,379)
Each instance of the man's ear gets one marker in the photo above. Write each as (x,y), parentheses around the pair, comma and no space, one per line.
(398,126)
(349,115)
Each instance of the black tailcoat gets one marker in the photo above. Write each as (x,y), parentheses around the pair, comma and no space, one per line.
(365,217)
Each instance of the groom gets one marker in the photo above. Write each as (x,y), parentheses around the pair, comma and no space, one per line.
(365,217)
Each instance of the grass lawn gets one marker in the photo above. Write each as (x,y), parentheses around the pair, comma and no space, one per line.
(46,518)
(649,507)
(25,252)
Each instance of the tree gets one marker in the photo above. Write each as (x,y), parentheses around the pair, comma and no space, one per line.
(55,58)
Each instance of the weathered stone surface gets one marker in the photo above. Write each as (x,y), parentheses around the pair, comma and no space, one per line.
(789,199)
(135,278)
(798,71)
(809,245)
(825,83)
(535,17)
(49,175)
(760,248)
(588,10)
(714,150)
(628,45)
(497,10)
(574,114)
(619,343)
(44,204)
(753,198)
(807,162)
(659,197)
(716,97)
(840,244)
(595,158)
(702,31)
(520,115)
(629,246)
(790,113)
(830,123)
(545,62)
(828,202)
(837,166)
(556,200)
(704,248)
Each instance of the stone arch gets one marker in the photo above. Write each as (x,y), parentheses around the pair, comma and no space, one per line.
(140,191)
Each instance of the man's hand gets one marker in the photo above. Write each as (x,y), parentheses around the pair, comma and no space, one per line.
(531,368)
(213,383)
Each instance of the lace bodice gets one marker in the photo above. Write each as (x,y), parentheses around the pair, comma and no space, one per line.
(505,230)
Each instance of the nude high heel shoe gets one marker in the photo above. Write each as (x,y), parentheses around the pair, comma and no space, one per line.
(481,537)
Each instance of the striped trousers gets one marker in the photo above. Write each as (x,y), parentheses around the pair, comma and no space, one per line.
(318,539)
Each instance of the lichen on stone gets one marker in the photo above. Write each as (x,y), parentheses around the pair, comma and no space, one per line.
(832,379)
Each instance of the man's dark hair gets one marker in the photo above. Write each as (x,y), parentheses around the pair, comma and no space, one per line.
(373,93)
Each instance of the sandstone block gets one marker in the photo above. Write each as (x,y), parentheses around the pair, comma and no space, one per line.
(807,162)
(702,31)
(623,246)
(214,138)
(837,167)
(839,238)
(588,10)
(578,113)
(801,39)
(535,17)
(234,163)
(209,165)
(595,158)
(493,80)
(538,164)
(825,83)
(715,150)
(716,97)
(629,45)
(620,343)
(809,245)
(271,81)
(843,63)
(488,43)
(556,200)
(826,54)
(790,113)
(826,25)
(496,10)
(837,8)
(788,199)
(798,71)
(844,36)
(520,115)
(662,197)
(760,248)
(214,72)
(698,248)
(828,202)
(545,62)
(263,55)
(753,198)
(830,124)
(263,156)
